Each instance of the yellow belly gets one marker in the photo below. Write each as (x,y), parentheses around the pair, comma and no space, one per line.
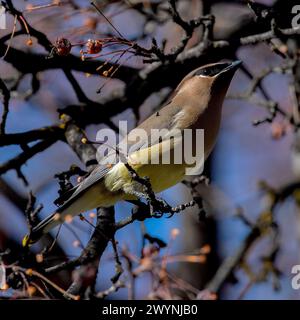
(118,185)
(148,162)
(162,176)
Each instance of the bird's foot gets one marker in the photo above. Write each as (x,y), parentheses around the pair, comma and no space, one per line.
(158,207)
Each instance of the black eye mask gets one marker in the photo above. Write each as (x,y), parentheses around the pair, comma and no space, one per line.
(212,70)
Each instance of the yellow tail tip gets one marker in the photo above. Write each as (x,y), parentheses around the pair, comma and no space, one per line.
(27,241)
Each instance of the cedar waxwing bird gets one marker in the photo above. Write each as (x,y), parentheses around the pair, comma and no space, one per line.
(195,104)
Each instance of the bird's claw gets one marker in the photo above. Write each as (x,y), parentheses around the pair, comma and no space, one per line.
(158,207)
(171,214)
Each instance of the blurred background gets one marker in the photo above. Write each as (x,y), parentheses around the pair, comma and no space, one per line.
(244,155)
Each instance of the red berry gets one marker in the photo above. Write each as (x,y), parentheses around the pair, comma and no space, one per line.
(93,46)
(63,47)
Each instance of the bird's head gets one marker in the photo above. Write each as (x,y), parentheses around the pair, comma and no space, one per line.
(213,78)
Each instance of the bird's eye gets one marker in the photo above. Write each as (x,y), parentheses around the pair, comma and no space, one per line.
(205,72)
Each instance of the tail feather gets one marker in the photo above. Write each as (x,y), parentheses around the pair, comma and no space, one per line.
(48,223)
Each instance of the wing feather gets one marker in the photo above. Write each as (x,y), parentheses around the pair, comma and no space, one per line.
(166,121)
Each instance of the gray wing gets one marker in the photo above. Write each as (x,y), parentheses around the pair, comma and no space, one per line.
(163,119)
(97,174)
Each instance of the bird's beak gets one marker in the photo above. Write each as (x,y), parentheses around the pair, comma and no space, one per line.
(233,66)
(229,69)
